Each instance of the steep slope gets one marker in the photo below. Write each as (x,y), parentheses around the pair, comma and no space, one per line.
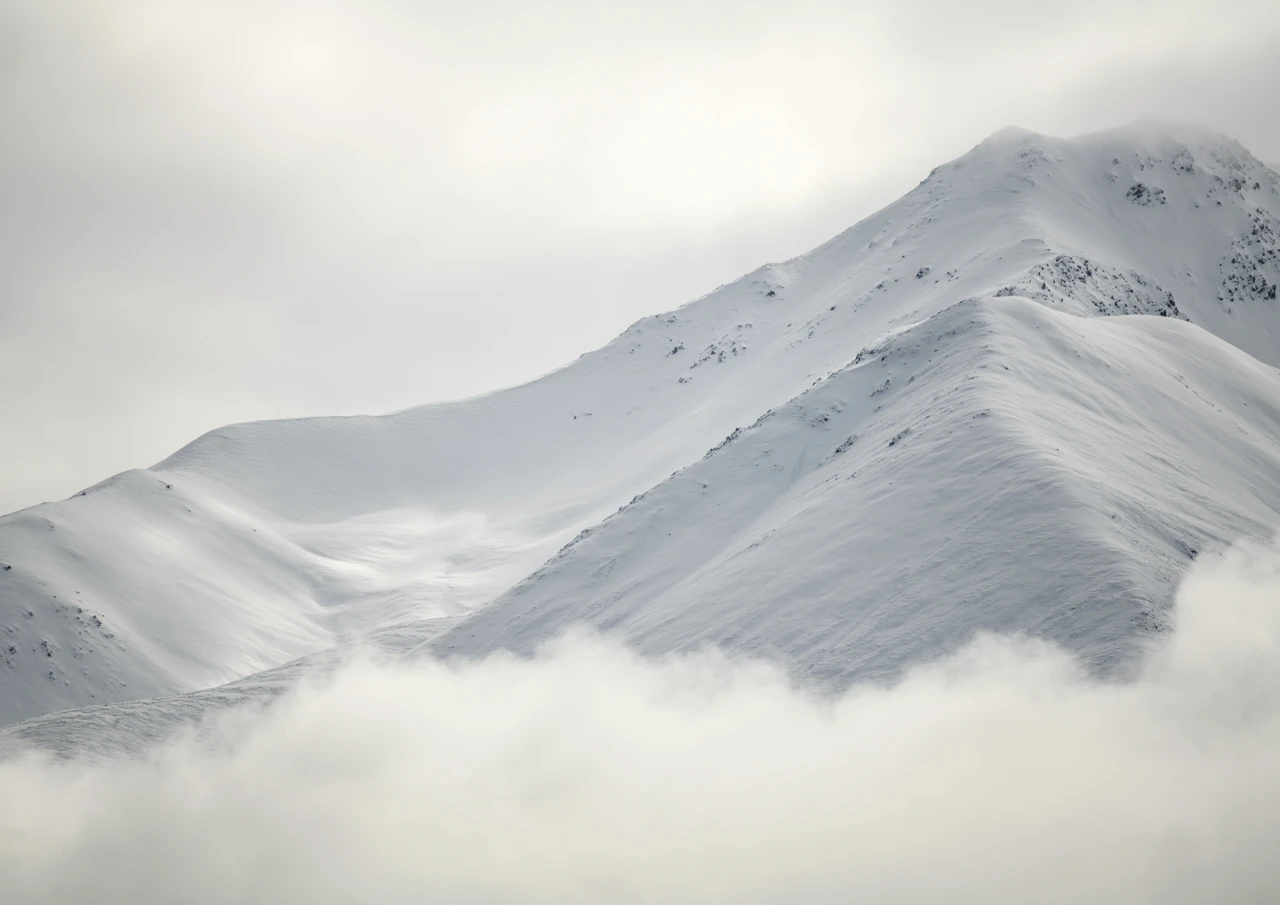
(263,542)
(1001,466)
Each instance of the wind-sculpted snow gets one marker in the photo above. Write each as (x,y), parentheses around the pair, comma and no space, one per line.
(1002,774)
(1018,440)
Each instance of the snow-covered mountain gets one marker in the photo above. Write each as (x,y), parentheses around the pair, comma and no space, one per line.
(1023,397)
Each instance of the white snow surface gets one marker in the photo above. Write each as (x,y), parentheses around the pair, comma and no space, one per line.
(1023,397)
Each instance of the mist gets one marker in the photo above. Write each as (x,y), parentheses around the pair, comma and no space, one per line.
(1002,774)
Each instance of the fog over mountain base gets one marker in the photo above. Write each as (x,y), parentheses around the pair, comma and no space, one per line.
(589,774)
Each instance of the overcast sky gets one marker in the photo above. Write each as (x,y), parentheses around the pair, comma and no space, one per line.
(221,211)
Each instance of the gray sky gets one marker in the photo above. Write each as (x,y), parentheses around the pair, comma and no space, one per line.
(220,211)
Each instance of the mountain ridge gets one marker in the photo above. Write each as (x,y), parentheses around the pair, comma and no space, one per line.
(600,587)
(262,542)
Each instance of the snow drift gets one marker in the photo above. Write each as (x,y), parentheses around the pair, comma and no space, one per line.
(588,774)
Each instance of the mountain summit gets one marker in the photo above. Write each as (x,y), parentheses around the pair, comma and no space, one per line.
(1023,397)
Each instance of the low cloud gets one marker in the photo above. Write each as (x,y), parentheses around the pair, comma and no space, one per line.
(589,774)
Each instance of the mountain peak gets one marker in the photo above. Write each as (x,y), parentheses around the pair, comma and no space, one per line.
(1149,135)
(930,340)
(1147,129)
(1008,135)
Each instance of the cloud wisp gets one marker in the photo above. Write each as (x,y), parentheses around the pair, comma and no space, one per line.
(588,774)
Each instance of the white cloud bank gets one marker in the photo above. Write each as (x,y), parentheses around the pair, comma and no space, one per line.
(589,775)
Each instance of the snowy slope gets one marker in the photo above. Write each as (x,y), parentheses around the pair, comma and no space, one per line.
(1083,474)
(1001,466)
